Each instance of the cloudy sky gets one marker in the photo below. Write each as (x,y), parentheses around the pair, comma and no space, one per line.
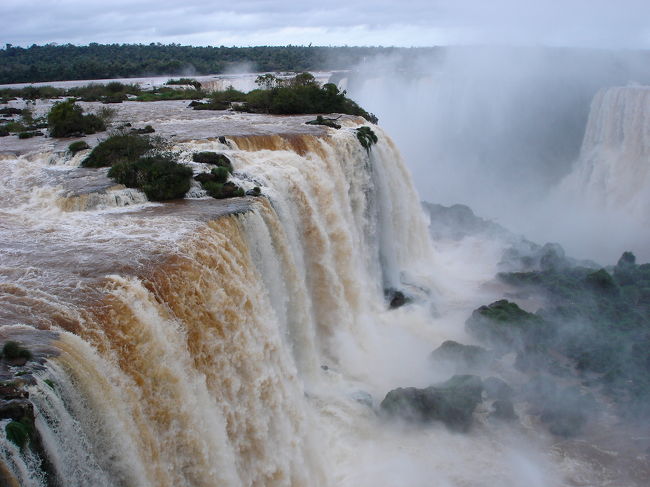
(591,23)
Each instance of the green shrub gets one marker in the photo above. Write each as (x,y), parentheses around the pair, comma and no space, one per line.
(66,119)
(3,131)
(366,137)
(212,158)
(28,135)
(221,174)
(159,176)
(222,190)
(118,148)
(78,146)
(14,350)
(19,432)
(185,81)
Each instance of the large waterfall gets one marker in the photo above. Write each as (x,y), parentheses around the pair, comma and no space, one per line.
(189,338)
(613,171)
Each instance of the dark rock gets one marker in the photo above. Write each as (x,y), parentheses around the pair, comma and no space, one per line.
(552,257)
(222,140)
(256,191)
(16,409)
(205,177)
(469,356)
(324,367)
(12,390)
(503,409)
(505,326)
(11,111)
(496,388)
(148,129)
(396,298)
(452,402)
(212,158)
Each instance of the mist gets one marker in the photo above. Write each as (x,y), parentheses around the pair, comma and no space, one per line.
(499,129)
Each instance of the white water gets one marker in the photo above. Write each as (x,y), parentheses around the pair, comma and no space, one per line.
(193,350)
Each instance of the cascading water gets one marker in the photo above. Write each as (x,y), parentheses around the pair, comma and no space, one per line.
(183,352)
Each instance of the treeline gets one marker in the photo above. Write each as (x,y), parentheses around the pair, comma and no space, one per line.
(99,61)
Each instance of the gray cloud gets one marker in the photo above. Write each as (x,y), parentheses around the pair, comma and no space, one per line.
(596,23)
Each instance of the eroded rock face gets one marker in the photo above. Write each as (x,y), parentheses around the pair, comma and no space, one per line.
(453,402)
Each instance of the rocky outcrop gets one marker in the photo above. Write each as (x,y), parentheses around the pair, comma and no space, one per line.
(453,402)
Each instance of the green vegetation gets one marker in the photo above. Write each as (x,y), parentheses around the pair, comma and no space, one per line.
(328,122)
(212,158)
(165,94)
(78,146)
(20,432)
(67,119)
(158,175)
(95,61)
(185,81)
(220,100)
(119,148)
(299,95)
(366,137)
(14,350)
(598,320)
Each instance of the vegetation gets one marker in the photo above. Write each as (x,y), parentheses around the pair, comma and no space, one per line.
(221,100)
(366,137)
(597,320)
(158,175)
(78,146)
(298,95)
(185,81)
(20,432)
(119,147)
(212,158)
(67,119)
(165,94)
(328,122)
(14,350)
(95,61)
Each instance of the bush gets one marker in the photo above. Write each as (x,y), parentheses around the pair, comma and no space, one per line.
(221,174)
(118,148)
(212,158)
(366,137)
(66,119)
(185,81)
(222,190)
(77,146)
(14,350)
(159,176)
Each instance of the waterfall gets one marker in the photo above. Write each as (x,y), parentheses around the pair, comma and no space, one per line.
(190,340)
(612,172)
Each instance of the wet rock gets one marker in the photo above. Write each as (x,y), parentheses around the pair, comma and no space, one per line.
(496,388)
(452,402)
(363,397)
(469,356)
(503,409)
(16,409)
(256,191)
(396,298)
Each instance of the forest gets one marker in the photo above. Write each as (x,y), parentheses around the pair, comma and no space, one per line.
(53,62)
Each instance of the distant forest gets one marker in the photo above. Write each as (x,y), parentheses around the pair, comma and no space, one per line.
(96,61)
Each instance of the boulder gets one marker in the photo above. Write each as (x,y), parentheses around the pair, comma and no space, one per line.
(452,402)
(396,298)
(503,409)
(467,356)
(496,388)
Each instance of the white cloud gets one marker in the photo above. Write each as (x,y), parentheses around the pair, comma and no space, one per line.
(597,23)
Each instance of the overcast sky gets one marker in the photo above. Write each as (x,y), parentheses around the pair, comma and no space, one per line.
(590,23)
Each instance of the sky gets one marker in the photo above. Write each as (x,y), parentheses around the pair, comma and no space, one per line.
(581,23)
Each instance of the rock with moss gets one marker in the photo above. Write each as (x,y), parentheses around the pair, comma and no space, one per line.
(453,402)
(506,326)
(464,356)
(15,354)
(118,148)
(327,122)
(256,191)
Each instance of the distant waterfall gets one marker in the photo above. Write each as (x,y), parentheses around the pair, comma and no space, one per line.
(613,171)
